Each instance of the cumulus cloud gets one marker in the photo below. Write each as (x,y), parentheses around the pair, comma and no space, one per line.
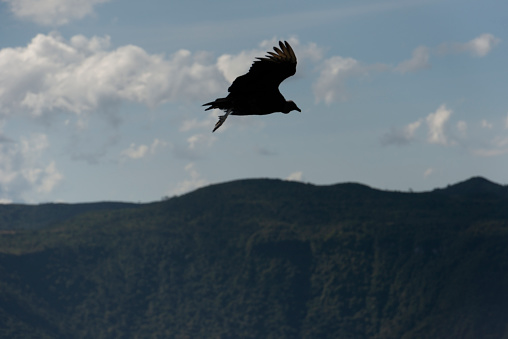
(52,12)
(402,136)
(82,75)
(479,46)
(140,151)
(23,170)
(482,45)
(295,176)
(330,86)
(232,66)
(418,61)
(436,122)
(193,182)
(135,152)
(334,72)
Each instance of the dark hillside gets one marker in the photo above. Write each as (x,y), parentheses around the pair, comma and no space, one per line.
(477,187)
(266,259)
(16,217)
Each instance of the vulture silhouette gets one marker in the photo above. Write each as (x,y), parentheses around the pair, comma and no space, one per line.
(257,91)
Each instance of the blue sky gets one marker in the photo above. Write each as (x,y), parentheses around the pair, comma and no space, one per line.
(101,100)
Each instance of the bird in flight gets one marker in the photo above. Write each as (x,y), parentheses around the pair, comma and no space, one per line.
(257,91)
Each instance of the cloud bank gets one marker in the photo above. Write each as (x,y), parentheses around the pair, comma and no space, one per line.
(82,75)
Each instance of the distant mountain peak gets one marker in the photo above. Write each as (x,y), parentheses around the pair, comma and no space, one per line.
(476,186)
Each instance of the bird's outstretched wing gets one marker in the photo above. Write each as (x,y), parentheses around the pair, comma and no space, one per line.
(268,72)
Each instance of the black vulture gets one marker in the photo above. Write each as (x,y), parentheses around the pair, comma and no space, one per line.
(257,91)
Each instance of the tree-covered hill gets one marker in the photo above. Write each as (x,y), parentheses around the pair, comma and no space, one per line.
(17,217)
(266,259)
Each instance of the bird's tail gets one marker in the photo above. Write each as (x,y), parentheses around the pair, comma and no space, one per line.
(220,103)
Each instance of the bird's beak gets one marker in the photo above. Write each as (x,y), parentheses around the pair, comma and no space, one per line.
(299,110)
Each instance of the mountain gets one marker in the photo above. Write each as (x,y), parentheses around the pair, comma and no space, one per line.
(16,216)
(265,259)
(477,187)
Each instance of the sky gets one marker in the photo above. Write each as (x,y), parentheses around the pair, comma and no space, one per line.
(101,100)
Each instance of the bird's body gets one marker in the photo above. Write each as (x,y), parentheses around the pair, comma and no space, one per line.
(257,91)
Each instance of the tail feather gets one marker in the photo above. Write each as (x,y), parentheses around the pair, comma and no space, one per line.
(220,103)
(223,104)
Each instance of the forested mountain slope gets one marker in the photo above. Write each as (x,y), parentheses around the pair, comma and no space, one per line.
(266,259)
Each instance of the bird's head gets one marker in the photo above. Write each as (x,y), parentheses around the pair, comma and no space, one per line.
(290,106)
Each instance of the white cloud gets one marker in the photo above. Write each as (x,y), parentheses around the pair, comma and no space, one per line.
(330,86)
(438,133)
(138,152)
(23,170)
(479,46)
(335,72)
(410,129)
(135,152)
(402,136)
(311,51)
(233,66)
(436,122)
(195,181)
(418,61)
(49,178)
(482,45)
(295,176)
(82,75)
(52,12)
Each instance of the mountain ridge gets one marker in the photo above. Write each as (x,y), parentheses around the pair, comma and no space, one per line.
(477,186)
(20,216)
(264,259)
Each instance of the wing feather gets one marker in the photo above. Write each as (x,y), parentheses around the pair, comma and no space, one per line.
(279,52)
(268,71)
